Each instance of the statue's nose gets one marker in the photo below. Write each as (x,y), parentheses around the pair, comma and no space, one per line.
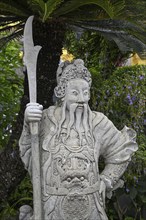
(81,99)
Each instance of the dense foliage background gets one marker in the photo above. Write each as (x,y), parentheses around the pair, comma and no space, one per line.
(117,91)
(11,88)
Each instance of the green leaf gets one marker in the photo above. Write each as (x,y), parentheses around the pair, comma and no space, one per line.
(45,8)
(50,7)
(13,9)
(74,4)
(118,8)
(106,5)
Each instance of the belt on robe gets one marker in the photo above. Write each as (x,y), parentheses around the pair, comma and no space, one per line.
(79,192)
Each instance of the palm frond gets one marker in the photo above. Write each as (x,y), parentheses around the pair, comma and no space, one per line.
(111,9)
(11,26)
(118,8)
(9,23)
(21,5)
(51,5)
(113,24)
(105,5)
(128,43)
(135,9)
(13,36)
(121,35)
(13,9)
(93,12)
(5,19)
(45,8)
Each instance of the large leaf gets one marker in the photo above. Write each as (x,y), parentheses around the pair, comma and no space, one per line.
(123,33)
(45,8)
(14,35)
(14,8)
(105,5)
(136,11)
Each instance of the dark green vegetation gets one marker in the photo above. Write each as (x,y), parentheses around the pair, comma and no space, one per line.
(121,22)
(11,89)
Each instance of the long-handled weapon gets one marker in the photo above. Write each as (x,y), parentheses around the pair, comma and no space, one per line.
(30,60)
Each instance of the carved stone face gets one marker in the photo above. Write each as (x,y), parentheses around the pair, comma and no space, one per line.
(77,92)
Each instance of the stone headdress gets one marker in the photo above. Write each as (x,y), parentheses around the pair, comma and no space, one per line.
(67,71)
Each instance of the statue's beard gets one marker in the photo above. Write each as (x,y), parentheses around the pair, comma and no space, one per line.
(78,117)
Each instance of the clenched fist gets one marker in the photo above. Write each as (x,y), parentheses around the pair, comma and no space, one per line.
(33,112)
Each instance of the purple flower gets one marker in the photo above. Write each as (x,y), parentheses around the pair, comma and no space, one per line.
(117,94)
(129,87)
(141,77)
(130,102)
(128,96)
(133,98)
(114,87)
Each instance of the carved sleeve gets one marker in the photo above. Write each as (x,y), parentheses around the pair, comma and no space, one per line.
(117,148)
(112,173)
(25,147)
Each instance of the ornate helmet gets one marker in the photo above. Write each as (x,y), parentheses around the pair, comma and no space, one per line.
(67,71)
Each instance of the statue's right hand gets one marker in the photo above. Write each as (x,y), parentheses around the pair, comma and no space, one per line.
(33,112)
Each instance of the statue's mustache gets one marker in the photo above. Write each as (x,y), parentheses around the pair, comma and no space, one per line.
(79,104)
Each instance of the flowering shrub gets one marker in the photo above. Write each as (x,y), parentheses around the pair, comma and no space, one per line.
(122,98)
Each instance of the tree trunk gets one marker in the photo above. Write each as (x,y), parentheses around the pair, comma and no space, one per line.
(50,36)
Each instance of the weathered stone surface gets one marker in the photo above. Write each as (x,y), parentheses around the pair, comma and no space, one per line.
(72,138)
(25,212)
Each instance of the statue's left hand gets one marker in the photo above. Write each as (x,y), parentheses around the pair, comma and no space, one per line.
(108,182)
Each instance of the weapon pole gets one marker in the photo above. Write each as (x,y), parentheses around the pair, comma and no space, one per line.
(30,60)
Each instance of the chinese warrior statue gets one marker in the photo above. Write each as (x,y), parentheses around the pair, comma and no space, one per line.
(71,140)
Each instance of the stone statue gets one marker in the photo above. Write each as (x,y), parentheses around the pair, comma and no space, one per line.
(72,138)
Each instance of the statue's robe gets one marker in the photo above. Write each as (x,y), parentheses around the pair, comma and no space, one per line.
(69,172)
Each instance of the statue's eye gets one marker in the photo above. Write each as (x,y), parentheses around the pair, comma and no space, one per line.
(75,93)
(85,92)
